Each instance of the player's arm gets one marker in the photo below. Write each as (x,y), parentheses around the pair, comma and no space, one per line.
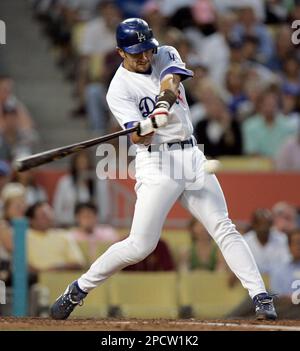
(159,118)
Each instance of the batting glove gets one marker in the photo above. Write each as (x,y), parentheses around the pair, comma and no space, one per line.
(158,119)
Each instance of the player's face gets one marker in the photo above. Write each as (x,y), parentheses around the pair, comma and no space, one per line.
(139,63)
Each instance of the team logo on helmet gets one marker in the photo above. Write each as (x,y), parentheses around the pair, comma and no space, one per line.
(141,36)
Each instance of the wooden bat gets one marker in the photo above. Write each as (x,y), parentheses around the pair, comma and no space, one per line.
(41,158)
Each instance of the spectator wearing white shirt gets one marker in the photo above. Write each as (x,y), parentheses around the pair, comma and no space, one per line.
(269,246)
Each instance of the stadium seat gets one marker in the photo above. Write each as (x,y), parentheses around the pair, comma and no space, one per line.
(95,305)
(207,293)
(145,294)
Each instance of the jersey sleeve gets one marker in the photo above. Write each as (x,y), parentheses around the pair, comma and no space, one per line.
(123,108)
(169,61)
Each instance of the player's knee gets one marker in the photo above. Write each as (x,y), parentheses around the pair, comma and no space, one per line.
(140,251)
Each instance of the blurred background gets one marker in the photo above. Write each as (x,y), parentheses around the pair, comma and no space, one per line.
(55,69)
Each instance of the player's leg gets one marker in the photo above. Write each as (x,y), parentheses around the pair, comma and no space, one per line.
(208,206)
(154,201)
(152,206)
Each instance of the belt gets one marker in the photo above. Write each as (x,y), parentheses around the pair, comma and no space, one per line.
(180,145)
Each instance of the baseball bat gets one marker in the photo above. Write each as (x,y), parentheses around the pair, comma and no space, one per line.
(41,158)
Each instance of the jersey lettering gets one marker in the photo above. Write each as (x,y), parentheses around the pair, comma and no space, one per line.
(146,106)
(172,56)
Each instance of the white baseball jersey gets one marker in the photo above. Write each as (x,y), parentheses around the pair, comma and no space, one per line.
(132,96)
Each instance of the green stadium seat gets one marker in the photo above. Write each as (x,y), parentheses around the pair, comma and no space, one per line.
(207,293)
(145,294)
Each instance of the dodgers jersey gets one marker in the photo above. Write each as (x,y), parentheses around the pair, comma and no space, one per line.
(131,96)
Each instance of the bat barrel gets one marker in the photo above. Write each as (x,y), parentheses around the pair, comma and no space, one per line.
(55,154)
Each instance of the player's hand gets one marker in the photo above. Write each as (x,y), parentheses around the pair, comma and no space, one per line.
(158,119)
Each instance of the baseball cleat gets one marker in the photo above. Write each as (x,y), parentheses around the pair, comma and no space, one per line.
(65,304)
(264,307)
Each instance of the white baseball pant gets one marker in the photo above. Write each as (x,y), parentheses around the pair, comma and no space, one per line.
(157,190)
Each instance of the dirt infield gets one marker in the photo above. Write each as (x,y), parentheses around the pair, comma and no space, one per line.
(44,324)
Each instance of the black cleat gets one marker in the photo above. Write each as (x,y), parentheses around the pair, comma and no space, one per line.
(65,304)
(264,307)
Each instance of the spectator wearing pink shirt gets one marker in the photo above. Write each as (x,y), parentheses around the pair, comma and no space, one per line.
(88,229)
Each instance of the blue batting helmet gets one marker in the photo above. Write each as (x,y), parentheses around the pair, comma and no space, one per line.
(134,36)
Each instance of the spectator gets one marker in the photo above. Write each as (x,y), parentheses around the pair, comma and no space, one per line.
(202,93)
(88,229)
(16,140)
(284,217)
(283,48)
(219,133)
(291,75)
(215,50)
(8,100)
(158,22)
(290,107)
(284,280)
(234,83)
(14,207)
(34,192)
(49,248)
(13,197)
(269,246)
(159,260)
(193,94)
(253,89)
(80,185)
(265,132)
(203,253)
(248,24)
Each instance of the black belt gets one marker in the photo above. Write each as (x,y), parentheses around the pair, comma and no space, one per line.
(181,145)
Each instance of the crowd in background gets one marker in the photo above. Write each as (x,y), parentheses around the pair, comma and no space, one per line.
(244,99)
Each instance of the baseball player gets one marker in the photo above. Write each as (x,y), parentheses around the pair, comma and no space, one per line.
(147,90)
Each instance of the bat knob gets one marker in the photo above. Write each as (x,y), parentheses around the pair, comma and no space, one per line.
(17,165)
